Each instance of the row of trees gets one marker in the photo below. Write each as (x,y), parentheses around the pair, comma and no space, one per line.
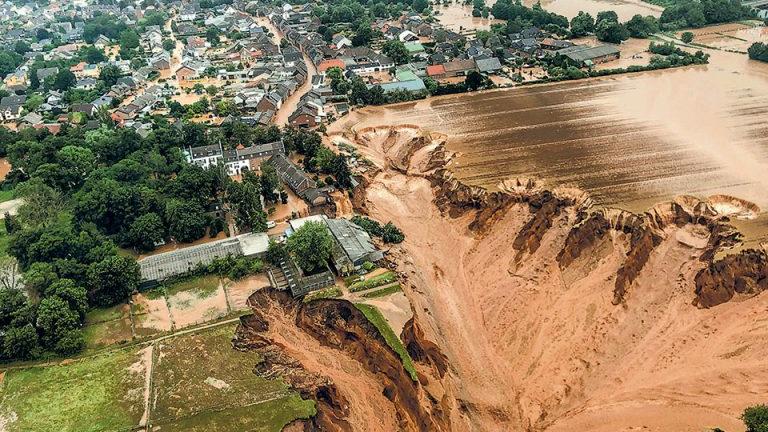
(698,13)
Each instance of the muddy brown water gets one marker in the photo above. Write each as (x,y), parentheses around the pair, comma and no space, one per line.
(629,140)
(625,9)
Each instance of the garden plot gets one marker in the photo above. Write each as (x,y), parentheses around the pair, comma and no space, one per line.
(196,300)
(108,326)
(150,313)
(202,384)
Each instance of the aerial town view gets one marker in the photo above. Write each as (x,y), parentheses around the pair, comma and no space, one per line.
(383,215)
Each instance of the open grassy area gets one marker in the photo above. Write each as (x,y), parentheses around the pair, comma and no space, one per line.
(374,282)
(378,320)
(102,393)
(202,287)
(330,292)
(6,195)
(202,384)
(383,291)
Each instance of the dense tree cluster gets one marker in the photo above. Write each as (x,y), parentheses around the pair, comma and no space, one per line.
(388,233)
(513,10)
(694,13)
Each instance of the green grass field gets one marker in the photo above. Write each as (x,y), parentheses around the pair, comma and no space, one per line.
(6,195)
(96,394)
(330,292)
(374,282)
(203,287)
(383,291)
(394,342)
(203,384)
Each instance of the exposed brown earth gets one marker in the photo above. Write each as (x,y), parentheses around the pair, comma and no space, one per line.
(533,311)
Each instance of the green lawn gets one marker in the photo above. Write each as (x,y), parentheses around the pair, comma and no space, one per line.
(330,292)
(6,195)
(203,384)
(383,291)
(203,287)
(374,282)
(378,320)
(91,395)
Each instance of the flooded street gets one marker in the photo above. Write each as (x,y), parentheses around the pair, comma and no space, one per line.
(630,140)
(625,9)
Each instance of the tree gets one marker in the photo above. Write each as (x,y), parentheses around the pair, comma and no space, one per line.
(686,37)
(758,51)
(396,50)
(64,80)
(269,181)
(582,24)
(420,5)
(607,16)
(110,74)
(474,80)
(212,36)
(611,31)
(392,234)
(129,40)
(9,61)
(186,220)
(70,342)
(91,54)
(112,280)
(146,231)
(21,47)
(642,27)
(75,296)
(756,418)
(311,246)
(169,45)
(20,342)
(55,319)
(245,199)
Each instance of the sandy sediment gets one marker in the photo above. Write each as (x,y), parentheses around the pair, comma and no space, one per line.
(552,315)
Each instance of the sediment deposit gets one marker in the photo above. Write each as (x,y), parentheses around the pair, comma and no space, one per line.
(533,310)
(555,315)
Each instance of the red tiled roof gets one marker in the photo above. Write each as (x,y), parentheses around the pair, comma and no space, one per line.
(435,70)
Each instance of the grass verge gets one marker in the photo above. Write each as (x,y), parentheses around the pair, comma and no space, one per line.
(374,282)
(330,292)
(394,342)
(383,291)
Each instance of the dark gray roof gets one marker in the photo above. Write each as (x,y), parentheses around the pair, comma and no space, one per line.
(582,53)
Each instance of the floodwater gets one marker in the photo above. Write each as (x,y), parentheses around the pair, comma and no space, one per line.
(630,140)
(458,17)
(625,9)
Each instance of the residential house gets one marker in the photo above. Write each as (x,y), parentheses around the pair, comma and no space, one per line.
(341,41)
(457,68)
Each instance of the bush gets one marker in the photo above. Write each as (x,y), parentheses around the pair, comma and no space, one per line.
(686,37)
(758,51)
(756,418)
(71,343)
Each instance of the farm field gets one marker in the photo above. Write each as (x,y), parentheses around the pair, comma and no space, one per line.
(195,382)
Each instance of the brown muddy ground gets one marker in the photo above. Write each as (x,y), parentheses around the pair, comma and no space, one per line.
(630,141)
(534,346)
(625,9)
